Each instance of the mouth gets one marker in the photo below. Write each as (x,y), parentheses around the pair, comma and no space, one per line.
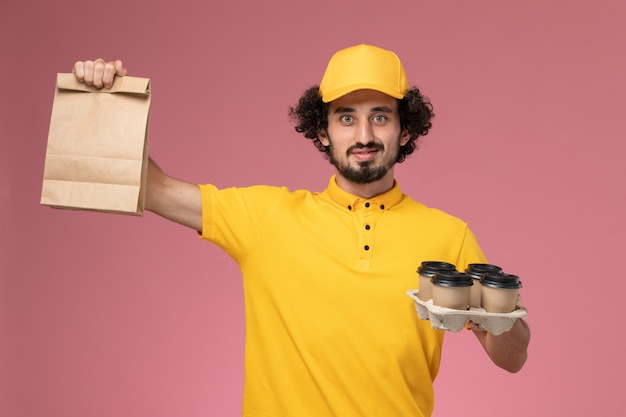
(364,154)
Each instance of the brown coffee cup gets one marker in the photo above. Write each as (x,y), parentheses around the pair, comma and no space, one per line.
(499,292)
(426,272)
(451,289)
(476,271)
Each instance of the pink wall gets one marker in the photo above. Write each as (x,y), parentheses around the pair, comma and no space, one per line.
(104,315)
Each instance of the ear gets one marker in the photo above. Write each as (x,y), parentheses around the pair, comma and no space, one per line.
(404,137)
(323,137)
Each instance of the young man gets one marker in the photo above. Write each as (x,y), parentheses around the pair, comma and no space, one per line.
(330,330)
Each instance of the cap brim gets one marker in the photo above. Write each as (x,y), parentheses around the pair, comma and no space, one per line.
(338,93)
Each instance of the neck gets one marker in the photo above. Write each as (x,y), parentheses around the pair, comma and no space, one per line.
(368,190)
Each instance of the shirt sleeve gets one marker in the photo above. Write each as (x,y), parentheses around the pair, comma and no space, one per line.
(470,251)
(235,218)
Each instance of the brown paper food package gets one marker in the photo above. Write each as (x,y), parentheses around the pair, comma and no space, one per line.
(97,153)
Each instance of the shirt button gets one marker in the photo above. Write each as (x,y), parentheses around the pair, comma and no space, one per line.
(382,206)
(367,204)
(349,207)
(367,227)
(366,247)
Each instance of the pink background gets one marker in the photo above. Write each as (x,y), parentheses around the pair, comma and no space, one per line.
(104,315)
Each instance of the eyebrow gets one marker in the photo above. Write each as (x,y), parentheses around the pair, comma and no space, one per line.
(383,109)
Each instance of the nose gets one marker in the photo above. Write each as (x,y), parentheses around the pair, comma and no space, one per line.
(365,132)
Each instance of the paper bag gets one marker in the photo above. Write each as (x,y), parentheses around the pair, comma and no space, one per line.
(97,153)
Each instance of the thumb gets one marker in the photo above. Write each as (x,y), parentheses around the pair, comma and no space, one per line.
(119,68)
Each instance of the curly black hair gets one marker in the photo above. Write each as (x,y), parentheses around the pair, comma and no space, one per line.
(414,109)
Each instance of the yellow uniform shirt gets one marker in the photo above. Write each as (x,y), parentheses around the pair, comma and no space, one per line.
(330,330)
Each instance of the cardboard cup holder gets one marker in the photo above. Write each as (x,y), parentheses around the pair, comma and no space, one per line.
(442,318)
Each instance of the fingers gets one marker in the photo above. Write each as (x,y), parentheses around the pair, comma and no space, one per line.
(98,73)
(470,325)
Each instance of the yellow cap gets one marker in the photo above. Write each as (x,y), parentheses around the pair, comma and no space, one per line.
(363,67)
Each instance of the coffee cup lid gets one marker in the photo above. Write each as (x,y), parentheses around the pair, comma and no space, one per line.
(477,270)
(429,268)
(452,279)
(501,280)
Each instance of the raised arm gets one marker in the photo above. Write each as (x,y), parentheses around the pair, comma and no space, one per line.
(173,199)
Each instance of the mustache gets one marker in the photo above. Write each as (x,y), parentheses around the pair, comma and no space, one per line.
(370,145)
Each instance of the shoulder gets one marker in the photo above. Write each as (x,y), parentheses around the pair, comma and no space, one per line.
(257,193)
(433,215)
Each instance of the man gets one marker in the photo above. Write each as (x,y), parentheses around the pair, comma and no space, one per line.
(329,328)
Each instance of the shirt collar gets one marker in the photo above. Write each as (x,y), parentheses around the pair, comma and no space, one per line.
(351,202)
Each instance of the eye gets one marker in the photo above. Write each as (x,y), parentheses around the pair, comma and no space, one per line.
(346,118)
(379,118)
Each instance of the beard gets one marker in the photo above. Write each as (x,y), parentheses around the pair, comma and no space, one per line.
(366,172)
